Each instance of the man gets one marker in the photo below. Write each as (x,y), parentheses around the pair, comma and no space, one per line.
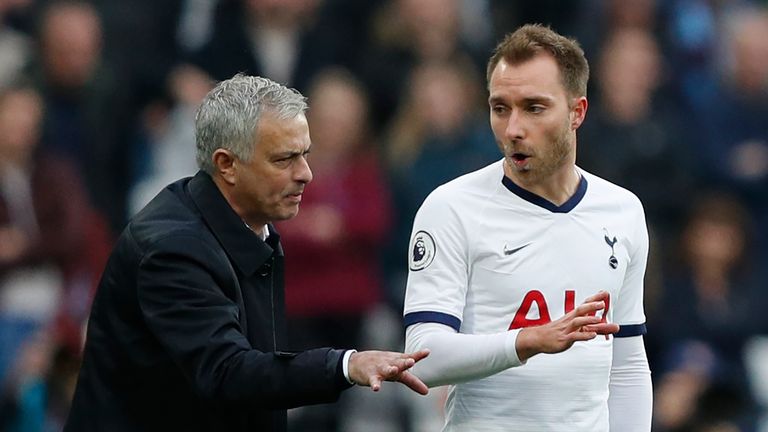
(501,257)
(187,326)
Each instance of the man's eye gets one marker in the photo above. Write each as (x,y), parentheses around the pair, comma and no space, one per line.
(499,109)
(535,109)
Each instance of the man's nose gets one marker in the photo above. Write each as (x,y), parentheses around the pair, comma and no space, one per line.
(303,173)
(515,130)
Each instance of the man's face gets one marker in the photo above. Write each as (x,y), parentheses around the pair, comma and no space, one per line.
(269,186)
(533,119)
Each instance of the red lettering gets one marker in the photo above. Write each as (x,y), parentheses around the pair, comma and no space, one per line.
(521,317)
(570,301)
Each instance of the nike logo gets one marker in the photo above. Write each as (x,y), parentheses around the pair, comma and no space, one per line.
(511,251)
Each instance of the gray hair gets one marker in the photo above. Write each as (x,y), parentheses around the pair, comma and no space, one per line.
(229,115)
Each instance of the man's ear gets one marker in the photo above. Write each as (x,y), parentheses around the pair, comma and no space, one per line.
(224,165)
(578,112)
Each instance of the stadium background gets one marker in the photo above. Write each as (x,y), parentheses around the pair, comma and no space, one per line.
(96,114)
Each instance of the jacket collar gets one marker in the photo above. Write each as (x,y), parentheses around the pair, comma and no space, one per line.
(245,248)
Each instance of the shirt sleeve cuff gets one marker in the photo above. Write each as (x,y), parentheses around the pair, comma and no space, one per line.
(345,365)
(510,346)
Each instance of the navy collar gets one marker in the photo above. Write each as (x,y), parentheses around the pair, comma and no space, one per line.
(532,198)
(245,248)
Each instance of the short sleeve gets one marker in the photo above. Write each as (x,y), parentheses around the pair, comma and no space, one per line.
(437,259)
(628,309)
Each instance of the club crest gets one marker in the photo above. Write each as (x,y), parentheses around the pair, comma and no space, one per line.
(422,251)
(613,262)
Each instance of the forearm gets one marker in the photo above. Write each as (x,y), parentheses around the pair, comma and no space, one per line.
(457,357)
(630,402)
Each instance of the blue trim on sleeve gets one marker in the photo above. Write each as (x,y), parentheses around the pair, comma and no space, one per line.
(631,330)
(428,316)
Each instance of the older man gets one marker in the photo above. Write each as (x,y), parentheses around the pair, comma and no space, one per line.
(187,326)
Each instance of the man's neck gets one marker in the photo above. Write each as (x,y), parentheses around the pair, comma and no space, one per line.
(557,188)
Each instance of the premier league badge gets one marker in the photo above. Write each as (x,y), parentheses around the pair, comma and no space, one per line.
(422,251)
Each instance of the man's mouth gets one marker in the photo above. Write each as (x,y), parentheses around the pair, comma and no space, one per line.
(519,158)
(296,196)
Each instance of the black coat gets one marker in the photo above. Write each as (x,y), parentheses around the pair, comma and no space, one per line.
(187,324)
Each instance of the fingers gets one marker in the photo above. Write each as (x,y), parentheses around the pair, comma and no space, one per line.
(375,383)
(406,361)
(579,322)
(589,308)
(413,383)
(373,367)
(419,355)
(603,328)
(600,296)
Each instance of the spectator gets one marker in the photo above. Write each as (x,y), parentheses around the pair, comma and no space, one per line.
(634,125)
(405,34)
(333,280)
(45,237)
(88,117)
(713,303)
(286,40)
(439,133)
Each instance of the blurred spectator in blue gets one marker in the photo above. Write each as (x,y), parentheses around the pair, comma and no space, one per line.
(288,41)
(334,280)
(732,119)
(407,33)
(595,20)
(37,396)
(635,135)
(693,395)
(439,133)
(713,303)
(143,39)
(559,15)
(88,117)
(23,402)
(167,131)
(693,33)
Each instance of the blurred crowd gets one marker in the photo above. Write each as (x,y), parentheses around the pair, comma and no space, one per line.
(97,103)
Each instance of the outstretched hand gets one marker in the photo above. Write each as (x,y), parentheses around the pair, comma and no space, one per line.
(581,324)
(371,368)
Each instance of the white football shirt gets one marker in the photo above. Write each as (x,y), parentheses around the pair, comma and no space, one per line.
(487,256)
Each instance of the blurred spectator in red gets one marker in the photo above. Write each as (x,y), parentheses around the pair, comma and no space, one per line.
(51,242)
(334,278)
(439,133)
(344,216)
(713,303)
(88,115)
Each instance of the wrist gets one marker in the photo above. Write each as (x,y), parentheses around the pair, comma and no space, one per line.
(345,365)
(525,344)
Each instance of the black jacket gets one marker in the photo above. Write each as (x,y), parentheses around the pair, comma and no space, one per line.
(187,324)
